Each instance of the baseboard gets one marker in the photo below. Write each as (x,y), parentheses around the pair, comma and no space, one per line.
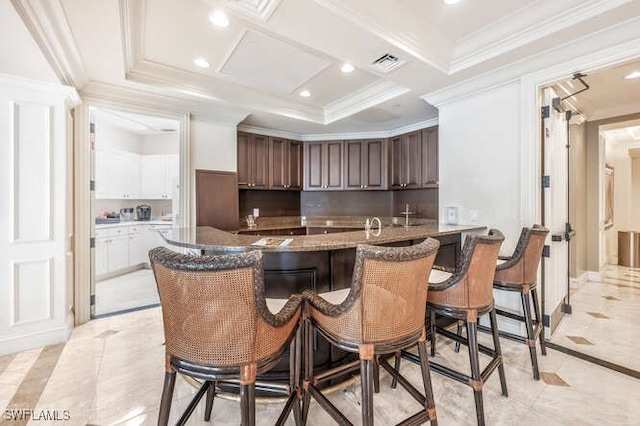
(36,340)
(577,283)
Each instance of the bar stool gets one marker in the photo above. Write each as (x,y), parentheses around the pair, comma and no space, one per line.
(218,329)
(382,314)
(519,273)
(465,296)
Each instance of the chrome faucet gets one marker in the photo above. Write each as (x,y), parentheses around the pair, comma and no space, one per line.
(406,214)
(368,224)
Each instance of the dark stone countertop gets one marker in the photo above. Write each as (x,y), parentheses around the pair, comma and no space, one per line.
(212,239)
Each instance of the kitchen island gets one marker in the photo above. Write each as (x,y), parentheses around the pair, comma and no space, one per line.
(318,254)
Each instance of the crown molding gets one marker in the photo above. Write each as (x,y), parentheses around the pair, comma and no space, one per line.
(255,9)
(131,31)
(144,100)
(269,132)
(613,45)
(541,22)
(398,39)
(360,100)
(69,93)
(49,28)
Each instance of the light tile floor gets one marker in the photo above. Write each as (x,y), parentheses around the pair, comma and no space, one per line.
(127,291)
(110,373)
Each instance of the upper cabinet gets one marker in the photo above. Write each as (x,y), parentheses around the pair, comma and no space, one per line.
(365,164)
(405,160)
(253,161)
(430,157)
(285,164)
(159,176)
(414,159)
(323,166)
(125,175)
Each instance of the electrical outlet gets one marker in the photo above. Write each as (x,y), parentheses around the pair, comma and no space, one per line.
(473,215)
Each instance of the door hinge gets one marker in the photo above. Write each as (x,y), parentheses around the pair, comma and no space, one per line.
(92,242)
(92,300)
(546,251)
(92,127)
(546,181)
(92,185)
(546,112)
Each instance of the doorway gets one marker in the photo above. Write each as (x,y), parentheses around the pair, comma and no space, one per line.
(135,161)
(136,193)
(600,324)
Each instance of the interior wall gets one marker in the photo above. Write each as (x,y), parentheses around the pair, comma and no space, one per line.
(634,223)
(479,159)
(212,146)
(578,199)
(113,138)
(161,144)
(595,227)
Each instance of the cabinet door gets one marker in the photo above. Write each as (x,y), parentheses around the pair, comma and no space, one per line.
(354,158)
(132,176)
(171,176)
(374,165)
(397,163)
(259,162)
(243,159)
(136,249)
(313,167)
(101,256)
(117,253)
(295,165)
(153,181)
(103,165)
(333,165)
(413,144)
(278,159)
(430,157)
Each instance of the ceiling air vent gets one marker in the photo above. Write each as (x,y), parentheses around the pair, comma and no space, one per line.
(386,63)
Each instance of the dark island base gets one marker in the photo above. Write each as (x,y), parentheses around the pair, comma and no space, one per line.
(287,273)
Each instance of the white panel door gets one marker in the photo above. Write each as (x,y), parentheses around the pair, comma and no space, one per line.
(556,215)
(33,216)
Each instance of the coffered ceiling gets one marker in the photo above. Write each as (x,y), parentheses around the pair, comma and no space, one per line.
(272,50)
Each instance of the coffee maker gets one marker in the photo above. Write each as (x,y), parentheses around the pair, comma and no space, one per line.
(143,212)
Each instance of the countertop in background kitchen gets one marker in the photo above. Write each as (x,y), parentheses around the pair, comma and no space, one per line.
(134,223)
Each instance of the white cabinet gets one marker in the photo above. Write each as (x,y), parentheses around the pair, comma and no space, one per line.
(159,172)
(137,252)
(153,238)
(112,250)
(117,175)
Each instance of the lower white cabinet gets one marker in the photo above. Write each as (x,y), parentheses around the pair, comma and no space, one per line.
(121,247)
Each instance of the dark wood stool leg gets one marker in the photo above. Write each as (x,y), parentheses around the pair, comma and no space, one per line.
(476,378)
(459,333)
(536,308)
(308,367)
(498,350)
(248,404)
(531,337)
(396,366)
(376,376)
(167,396)
(211,393)
(429,404)
(294,373)
(366,382)
(432,326)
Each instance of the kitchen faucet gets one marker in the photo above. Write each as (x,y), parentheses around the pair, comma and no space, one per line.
(368,224)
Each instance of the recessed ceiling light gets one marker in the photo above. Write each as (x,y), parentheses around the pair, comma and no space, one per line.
(451,1)
(305,93)
(347,68)
(201,62)
(634,74)
(219,19)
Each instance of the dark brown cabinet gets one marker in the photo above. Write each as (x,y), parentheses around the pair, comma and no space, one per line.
(429,157)
(365,165)
(285,164)
(405,160)
(323,166)
(253,158)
